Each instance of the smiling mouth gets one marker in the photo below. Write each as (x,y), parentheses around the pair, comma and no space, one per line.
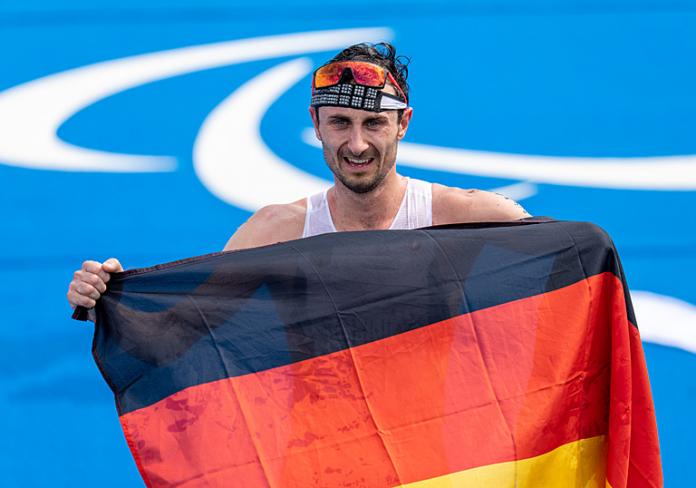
(357,163)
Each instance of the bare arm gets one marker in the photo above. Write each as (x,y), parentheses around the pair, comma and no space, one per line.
(269,225)
(455,205)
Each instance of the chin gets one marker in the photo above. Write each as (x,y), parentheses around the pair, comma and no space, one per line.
(362,188)
(362,185)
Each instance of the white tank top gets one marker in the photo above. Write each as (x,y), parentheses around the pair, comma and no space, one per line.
(416,210)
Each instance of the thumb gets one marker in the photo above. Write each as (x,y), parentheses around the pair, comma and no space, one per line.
(112,265)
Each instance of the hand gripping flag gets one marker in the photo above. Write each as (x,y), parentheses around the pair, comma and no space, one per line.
(502,355)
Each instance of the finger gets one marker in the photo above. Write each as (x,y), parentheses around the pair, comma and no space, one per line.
(97,281)
(87,302)
(87,290)
(96,268)
(112,265)
(91,266)
(76,299)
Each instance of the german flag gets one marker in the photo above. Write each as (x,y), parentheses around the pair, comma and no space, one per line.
(501,355)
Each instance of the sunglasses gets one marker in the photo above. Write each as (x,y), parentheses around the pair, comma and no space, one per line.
(364,73)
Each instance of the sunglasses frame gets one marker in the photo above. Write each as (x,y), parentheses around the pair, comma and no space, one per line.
(385,75)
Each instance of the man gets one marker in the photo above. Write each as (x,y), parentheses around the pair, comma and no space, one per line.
(360,113)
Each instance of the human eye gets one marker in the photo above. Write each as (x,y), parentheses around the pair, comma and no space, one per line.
(338,123)
(375,123)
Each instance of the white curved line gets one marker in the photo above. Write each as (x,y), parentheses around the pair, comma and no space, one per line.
(517,191)
(665,320)
(232,160)
(31,113)
(653,173)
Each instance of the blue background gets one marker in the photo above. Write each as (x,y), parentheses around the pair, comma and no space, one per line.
(612,78)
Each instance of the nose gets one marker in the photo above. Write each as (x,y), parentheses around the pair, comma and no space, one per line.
(357,143)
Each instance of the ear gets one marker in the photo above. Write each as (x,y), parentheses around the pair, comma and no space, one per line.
(405,120)
(315,121)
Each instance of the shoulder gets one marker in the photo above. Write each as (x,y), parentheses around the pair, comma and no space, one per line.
(270,225)
(455,205)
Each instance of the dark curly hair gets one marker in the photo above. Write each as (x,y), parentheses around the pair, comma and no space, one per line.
(382,54)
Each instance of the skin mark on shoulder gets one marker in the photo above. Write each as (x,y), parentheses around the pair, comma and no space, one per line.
(506,198)
(514,202)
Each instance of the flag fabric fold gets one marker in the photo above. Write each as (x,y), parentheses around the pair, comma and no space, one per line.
(469,355)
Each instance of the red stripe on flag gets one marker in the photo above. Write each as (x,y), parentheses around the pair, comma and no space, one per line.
(504,383)
(634,453)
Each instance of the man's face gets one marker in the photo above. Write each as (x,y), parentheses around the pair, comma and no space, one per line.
(360,146)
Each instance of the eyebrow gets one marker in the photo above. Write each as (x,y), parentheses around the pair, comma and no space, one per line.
(338,118)
(343,118)
(377,118)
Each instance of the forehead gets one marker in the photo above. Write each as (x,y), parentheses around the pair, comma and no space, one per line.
(354,114)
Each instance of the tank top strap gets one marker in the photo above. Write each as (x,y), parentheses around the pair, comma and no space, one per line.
(421,204)
(417,206)
(318,217)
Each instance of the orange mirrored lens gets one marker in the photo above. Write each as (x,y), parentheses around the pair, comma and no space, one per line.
(363,73)
(327,75)
(368,74)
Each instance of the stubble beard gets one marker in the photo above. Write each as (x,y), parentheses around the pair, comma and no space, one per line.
(361,186)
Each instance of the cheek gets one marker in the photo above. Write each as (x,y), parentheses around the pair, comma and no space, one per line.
(384,140)
(333,139)
(388,140)
(327,143)
(330,151)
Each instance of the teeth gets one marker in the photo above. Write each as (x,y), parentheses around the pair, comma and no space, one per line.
(357,161)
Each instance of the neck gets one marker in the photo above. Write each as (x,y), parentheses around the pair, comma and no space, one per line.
(367,211)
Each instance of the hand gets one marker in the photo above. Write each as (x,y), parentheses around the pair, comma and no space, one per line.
(89,282)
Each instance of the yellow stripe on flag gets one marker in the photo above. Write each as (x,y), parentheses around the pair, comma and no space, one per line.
(576,464)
